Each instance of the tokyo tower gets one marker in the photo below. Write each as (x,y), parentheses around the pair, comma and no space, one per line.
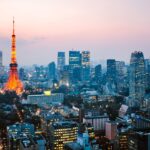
(13,83)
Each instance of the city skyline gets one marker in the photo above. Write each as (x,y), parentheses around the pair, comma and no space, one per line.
(107,29)
(74,75)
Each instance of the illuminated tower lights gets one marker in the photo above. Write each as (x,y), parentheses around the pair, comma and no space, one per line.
(13,83)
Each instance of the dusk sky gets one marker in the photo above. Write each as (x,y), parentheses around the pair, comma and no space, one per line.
(108,28)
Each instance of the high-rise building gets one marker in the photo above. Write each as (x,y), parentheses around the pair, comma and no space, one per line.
(13,83)
(21,73)
(111,70)
(147,73)
(137,79)
(74,59)
(1,64)
(63,132)
(120,68)
(52,71)
(85,65)
(1,59)
(86,58)
(120,75)
(60,60)
(98,73)
(74,62)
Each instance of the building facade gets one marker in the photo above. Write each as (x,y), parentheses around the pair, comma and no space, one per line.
(98,73)
(1,59)
(86,65)
(111,70)
(60,61)
(52,71)
(137,79)
(63,132)
(74,62)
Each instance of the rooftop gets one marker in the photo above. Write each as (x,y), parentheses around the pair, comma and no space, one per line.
(26,142)
(74,146)
(64,124)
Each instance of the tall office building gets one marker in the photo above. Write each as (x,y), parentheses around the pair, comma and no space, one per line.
(1,59)
(60,60)
(136,78)
(63,132)
(74,59)
(98,73)
(120,68)
(21,73)
(51,71)
(85,65)
(1,64)
(86,58)
(120,75)
(147,73)
(74,62)
(111,70)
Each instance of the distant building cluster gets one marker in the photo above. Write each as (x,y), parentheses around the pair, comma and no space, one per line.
(132,79)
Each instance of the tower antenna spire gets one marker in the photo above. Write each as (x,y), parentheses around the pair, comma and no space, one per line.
(13,26)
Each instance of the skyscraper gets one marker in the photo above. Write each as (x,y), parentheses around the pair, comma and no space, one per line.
(74,59)
(120,68)
(1,64)
(136,78)
(51,71)
(86,58)
(98,73)
(147,73)
(1,59)
(120,75)
(13,83)
(85,65)
(74,63)
(21,73)
(60,60)
(111,70)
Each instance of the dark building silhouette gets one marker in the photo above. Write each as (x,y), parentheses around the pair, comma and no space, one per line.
(60,60)
(85,65)
(98,73)
(111,70)
(137,78)
(51,71)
